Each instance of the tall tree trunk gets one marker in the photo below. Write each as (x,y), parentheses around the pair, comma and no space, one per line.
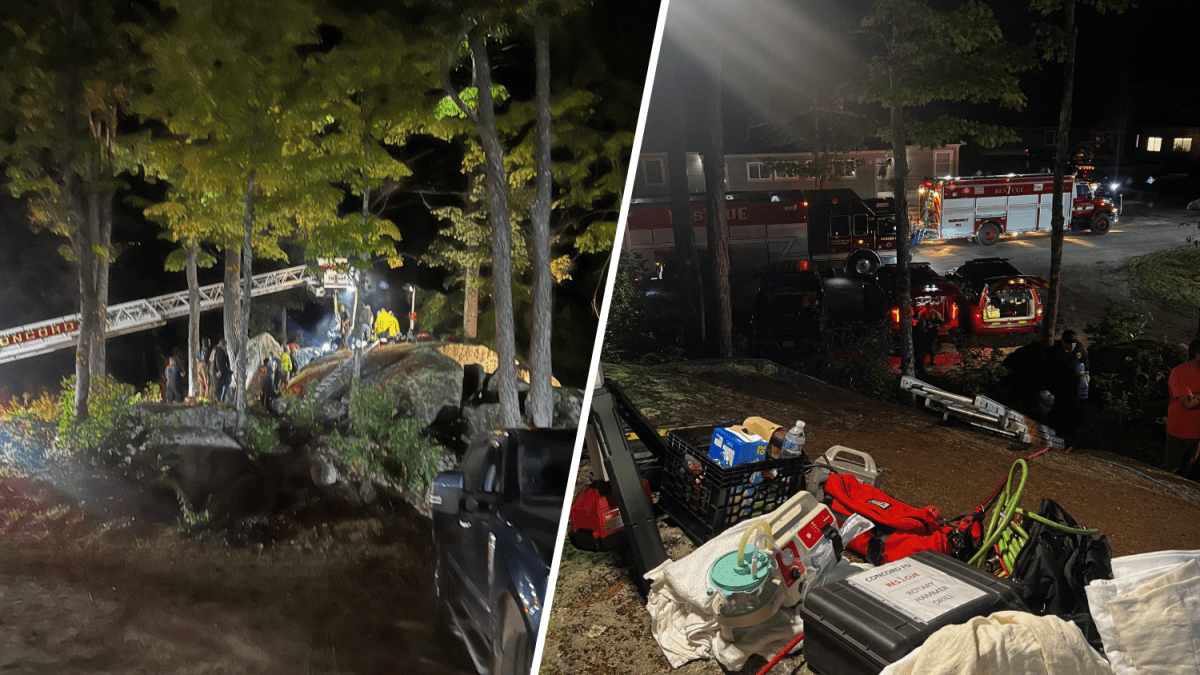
(98,363)
(356,318)
(193,281)
(541,389)
(718,218)
(243,365)
(82,242)
(510,413)
(1057,229)
(686,256)
(903,244)
(471,302)
(366,207)
(232,308)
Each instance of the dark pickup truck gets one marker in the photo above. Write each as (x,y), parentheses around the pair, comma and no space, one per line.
(495,523)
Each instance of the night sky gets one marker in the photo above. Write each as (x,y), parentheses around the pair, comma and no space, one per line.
(782,53)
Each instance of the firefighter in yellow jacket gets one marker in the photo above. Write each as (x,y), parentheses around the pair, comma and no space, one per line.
(387,327)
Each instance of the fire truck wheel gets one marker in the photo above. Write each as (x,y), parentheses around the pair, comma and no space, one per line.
(862,264)
(988,235)
(1101,224)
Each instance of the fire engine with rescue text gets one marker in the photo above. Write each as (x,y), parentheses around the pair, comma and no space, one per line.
(798,230)
(988,207)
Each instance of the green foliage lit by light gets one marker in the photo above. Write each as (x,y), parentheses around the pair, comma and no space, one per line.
(384,443)
(446,107)
(112,418)
(261,435)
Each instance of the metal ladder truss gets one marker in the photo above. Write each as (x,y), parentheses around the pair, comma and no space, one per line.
(43,337)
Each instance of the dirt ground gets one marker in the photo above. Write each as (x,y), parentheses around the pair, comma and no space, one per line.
(598,622)
(86,591)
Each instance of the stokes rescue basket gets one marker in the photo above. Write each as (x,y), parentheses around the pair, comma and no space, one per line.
(704,499)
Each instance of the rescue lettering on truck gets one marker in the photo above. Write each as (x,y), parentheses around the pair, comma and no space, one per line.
(773,230)
(988,207)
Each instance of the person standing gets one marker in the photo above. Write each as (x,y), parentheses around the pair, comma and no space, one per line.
(286,366)
(221,371)
(1063,370)
(1183,415)
(925,338)
(386,326)
(174,373)
(203,381)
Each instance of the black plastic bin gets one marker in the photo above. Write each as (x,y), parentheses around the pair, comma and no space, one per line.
(704,498)
(848,630)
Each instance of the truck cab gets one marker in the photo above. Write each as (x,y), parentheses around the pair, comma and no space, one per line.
(495,524)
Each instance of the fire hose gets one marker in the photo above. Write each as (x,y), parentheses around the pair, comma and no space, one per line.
(1005,531)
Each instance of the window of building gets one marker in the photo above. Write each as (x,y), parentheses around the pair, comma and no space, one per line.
(883,175)
(1050,138)
(942,163)
(1182,145)
(653,170)
(757,171)
(1154,143)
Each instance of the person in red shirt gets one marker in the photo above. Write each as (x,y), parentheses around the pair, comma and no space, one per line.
(1183,414)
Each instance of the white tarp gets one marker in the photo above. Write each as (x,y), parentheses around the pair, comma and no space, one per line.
(1002,644)
(1147,616)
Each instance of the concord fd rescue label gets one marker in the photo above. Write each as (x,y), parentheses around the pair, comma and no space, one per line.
(916,589)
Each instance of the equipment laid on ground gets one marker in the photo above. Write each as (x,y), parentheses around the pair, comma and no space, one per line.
(835,460)
(777,560)
(616,466)
(734,446)
(900,530)
(983,413)
(745,584)
(793,443)
(859,625)
(704,498)
(798,527)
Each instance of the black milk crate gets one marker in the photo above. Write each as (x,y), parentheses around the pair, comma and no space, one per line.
(704,498)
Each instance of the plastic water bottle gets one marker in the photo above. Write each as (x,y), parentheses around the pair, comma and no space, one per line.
(793,443)
(1083,382)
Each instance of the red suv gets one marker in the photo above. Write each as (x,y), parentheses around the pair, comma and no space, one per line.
(933,296)
(997,298)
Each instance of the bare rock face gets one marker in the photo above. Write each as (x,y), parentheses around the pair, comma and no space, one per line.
(425,382)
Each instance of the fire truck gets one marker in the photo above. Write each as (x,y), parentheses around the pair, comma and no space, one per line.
(798,230)
(988,207)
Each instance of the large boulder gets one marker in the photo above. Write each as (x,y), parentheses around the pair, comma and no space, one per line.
(568,406)
(425,382)
(201,462)
(481,419)
(165,415)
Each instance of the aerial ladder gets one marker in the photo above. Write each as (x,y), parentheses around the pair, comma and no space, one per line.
(51,335)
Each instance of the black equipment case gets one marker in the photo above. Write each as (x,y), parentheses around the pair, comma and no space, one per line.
(858,625)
